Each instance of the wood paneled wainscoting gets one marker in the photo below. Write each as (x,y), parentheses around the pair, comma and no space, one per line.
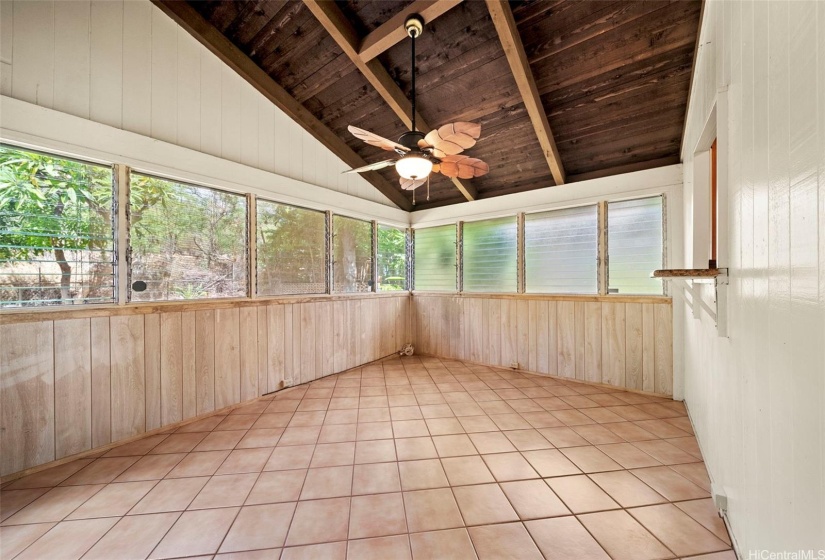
(75,380)
(622,341)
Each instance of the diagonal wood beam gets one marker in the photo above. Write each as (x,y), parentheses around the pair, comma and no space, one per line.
(392,32)
(514,50)
(343,32)
(195,24)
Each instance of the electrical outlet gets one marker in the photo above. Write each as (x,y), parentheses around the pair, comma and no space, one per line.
(514,365)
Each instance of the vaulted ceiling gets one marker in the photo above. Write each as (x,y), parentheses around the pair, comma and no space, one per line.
(609,80)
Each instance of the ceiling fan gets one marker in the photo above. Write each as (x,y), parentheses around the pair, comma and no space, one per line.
(419,154)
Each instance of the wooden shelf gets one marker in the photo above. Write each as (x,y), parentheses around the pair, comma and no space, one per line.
(687,273)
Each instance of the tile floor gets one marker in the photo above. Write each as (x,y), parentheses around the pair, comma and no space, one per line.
(415,458)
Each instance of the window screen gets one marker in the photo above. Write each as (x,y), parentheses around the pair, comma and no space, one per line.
(352,255)
(561,250)
(187,242)
(435,259)
(56,236)
(291,250)
(490,257)
(392,259)
(634,245)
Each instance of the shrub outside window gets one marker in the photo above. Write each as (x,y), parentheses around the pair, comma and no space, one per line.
(291,250)
(392,259)
(352,254)
(187,242)
(57,241)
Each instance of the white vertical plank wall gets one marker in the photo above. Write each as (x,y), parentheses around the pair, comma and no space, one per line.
(121,375)
(756,397)
(125,64)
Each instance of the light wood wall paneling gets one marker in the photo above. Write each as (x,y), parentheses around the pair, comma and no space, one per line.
(614,350)
(353,332)
(522,333)
(101,381)
(307,342)
(189,369)
(327,325)
(205,360)
(73,386)
(262,349)
(276,357)
(475,330)
(248,347)
(532,336)
(580,340)
(227,357)
(625,343)
(648,348)
(128,376)
(663,364)
(27,398)
(566,320)
(634,360)
(298,372)
(152,363)
(171,367)
(340,338)
(494,334)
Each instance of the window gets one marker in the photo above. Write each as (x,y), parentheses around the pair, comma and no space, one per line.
(352,255)
(187,242)
(57,243)
(392,259)
(291,250)
(435,259)
(714,216)
(490,257)
(634,245)
(561,250)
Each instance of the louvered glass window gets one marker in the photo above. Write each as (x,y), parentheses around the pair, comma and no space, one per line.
(57,242)
(352,255)
(187,242)
(291,250)
(634,245)
(490,255)
(561,250)
(392,259)
(435,259)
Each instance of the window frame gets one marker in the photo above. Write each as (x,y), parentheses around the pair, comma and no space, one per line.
(331,254)
(407,256)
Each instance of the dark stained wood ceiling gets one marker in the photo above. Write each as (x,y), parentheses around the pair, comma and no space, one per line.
(613,79)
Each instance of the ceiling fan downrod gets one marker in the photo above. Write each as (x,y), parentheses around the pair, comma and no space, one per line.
(414,26)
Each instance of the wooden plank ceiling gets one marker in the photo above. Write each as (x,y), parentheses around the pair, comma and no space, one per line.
(612,77)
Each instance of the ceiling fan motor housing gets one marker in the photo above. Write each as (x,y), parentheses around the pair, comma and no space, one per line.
(410,139)
(414,25)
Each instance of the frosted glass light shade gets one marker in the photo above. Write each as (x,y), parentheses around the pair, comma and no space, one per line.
(413,167)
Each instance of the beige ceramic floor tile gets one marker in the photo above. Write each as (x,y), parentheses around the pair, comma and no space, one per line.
(375,478)
(677,530)
(623,537)
(483,504)
(431,510)
(382,548)
(419,475)
(259,527)
(564,538)
(171,495)
(581,494)
(377,515)
(68,540)
(196,532)
(277,486)
(305,528)
(509,540)
(134,536)
(533,499)
(450,544)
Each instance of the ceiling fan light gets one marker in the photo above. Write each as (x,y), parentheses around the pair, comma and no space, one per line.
(413,166)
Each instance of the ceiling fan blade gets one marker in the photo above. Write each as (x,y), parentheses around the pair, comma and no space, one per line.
(453,138)
(463,167)
(372,166)
(375,140)
(410,184)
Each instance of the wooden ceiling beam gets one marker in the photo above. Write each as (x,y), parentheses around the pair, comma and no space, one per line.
(392,32)
(510,39)
(343,32)
(209,36)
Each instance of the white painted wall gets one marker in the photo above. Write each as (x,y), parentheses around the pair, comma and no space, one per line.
(125,64)
(757,398)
